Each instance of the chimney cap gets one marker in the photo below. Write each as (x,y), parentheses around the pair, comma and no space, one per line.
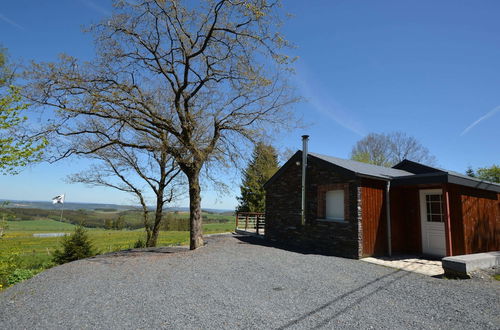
(304,137)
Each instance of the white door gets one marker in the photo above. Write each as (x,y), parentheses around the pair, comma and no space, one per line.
(432,219)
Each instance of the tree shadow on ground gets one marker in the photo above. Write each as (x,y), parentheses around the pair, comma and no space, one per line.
(353,297)
(260,240)
(371,288)
(139,252)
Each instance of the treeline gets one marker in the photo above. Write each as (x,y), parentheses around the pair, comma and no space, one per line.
(73,216)
(132,219)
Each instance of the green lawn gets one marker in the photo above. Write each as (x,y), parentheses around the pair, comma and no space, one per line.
(20,250)
(39,226)
(37,250)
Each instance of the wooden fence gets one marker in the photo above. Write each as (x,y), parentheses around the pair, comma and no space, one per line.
(251,222)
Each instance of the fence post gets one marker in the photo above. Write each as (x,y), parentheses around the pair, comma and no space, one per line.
(246,222)
(236,220)
(257,229)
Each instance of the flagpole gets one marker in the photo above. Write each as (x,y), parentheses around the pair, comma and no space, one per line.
(62,208)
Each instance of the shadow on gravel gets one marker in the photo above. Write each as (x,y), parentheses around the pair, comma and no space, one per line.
(101,258)
(370,288)
(258,240)
(340,304)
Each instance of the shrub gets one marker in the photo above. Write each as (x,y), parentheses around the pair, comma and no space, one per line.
(140,243)
(75,247)
(20,275)
(8,264)
(14,269)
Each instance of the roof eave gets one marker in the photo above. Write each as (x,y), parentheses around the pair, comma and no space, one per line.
(381,178)
(428,178)
(485,185)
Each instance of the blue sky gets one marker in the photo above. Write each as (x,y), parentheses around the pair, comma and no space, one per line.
(428,68)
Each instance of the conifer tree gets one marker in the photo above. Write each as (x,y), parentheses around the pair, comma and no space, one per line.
(263,165)
(75,247)
(470,172)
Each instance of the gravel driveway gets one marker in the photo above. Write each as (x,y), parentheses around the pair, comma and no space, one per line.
(240,283)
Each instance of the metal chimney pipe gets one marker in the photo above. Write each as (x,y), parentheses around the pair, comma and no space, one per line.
(305,139)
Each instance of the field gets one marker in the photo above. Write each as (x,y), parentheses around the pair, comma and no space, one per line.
(112,218)
(35,251)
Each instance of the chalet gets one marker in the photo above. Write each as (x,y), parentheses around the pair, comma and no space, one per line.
(353,209)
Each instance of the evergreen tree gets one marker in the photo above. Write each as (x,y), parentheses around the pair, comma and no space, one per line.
(470,172)
(74,247)
(263,165)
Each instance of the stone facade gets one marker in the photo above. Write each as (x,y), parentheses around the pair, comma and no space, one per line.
(283,209)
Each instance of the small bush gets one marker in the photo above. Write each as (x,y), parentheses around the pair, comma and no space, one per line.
(20,275)
(75,247)
(140,243)
(8,264)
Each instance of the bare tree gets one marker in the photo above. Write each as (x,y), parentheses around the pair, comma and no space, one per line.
(390,149)
(202,79)
(136,172)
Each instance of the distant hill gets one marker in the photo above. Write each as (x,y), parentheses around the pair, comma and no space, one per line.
(94,206)
(67,206)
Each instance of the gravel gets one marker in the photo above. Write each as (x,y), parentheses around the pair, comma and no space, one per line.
(241,282)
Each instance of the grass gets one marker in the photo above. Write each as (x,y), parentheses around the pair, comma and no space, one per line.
(39,226)
(21,251)
(37,250)
(496,277)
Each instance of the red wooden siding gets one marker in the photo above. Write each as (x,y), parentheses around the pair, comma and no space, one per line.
(374,220)
(405,220)
(475,217)
(456,220)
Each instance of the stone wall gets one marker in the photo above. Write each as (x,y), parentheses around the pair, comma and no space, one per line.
(283,201)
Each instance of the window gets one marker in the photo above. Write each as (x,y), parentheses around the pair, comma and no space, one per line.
(434,205)
(332,202)
(335,205)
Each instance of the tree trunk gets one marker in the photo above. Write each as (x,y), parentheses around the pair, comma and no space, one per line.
(195,224)
(153,239)
(145,216)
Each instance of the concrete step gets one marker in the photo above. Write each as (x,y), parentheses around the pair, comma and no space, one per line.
(461,266)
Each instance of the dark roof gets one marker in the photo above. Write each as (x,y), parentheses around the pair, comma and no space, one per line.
(351,166)
(360,168)
(426,174)
(416,168)
(405,173)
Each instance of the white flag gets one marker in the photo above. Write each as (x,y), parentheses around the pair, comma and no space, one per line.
(58,199)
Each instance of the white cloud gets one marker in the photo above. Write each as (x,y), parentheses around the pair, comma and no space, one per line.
(11,22)
(486,116)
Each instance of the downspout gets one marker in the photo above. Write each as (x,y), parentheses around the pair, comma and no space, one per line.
(304,167)
(388,211)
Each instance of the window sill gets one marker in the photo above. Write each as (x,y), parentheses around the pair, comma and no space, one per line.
(332,220)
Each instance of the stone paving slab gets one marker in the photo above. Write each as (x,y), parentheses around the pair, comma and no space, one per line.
(409,263)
